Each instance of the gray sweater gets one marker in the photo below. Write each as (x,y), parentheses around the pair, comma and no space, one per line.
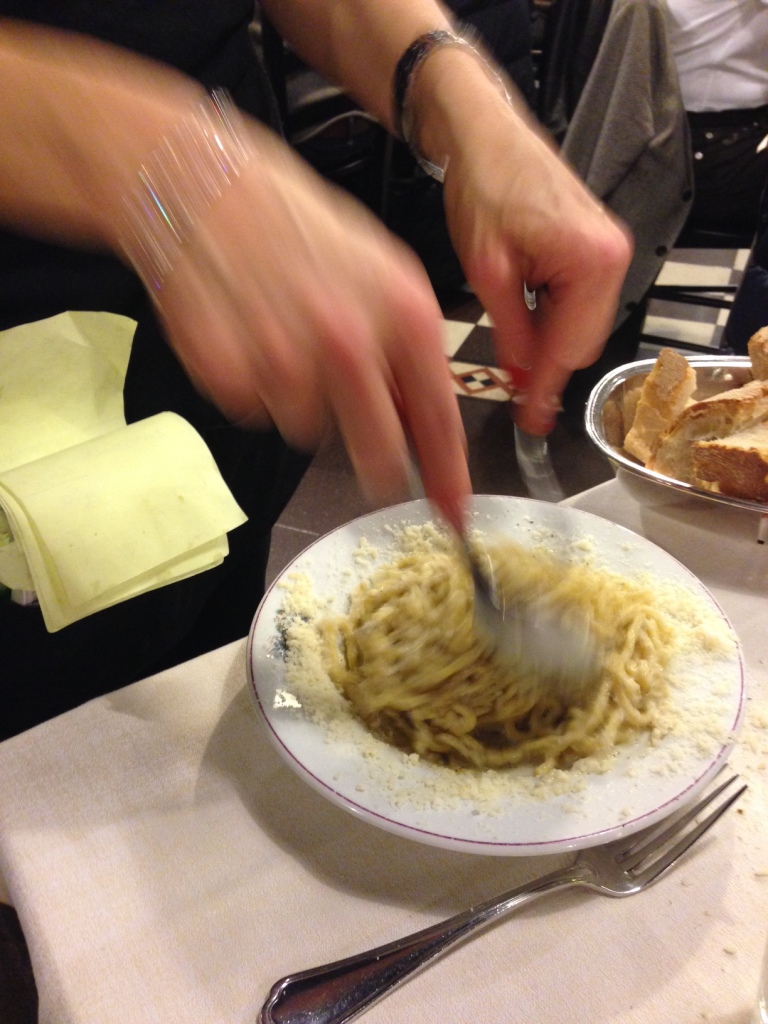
(628,138)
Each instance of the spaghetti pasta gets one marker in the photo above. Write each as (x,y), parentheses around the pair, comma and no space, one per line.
(407,658)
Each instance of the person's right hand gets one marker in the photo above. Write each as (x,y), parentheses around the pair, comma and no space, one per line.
(290,304)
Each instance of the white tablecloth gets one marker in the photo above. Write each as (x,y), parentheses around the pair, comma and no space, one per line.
(167,866)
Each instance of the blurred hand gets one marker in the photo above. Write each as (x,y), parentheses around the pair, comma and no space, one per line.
(291,305)
(518,214)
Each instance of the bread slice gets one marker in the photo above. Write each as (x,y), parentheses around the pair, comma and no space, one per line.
(758,353)
(737,465)
(663,397)
(630,398)
(713,418)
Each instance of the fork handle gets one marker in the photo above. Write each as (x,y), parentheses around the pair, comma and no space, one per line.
(338,992)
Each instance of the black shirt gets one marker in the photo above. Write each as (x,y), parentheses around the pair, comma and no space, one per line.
(184,33)
(207,39)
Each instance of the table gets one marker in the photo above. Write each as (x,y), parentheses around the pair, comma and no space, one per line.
(167,866)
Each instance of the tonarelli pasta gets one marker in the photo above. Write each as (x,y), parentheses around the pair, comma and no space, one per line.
(407,658)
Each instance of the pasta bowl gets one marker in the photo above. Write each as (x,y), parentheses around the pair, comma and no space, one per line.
(505,812)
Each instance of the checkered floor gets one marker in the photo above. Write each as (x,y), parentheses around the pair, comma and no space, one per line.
(468,338)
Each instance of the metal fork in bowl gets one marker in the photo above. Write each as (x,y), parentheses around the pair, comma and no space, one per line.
(543,630)
(338,992)
(526,635)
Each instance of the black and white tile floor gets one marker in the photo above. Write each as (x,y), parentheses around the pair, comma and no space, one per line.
(693,325)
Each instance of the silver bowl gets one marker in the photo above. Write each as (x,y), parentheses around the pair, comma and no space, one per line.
(605,428)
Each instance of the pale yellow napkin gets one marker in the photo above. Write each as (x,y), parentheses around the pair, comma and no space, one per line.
(97,511)
(61,382)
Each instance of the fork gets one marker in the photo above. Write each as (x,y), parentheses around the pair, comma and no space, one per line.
(338,992)
(526,635)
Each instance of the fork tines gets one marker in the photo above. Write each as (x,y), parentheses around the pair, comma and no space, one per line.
(658,847)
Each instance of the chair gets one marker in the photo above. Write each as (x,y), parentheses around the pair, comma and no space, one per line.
(342,142)
(749,312)
(697,299)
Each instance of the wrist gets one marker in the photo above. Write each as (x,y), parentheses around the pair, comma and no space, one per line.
(442,81)
(194,165)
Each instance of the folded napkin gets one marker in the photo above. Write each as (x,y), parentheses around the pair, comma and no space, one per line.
(97,511)
(61,382)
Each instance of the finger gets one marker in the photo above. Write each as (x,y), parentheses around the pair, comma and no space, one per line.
(535,411)
(252,355)
(366,415)
(397,384)
(284,354)
(202,332)
(572,326)
(431,412)
(498,284)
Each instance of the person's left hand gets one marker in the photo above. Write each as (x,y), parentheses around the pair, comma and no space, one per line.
(517,214)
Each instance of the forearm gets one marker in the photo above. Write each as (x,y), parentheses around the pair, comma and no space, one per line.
(357,43)
(79,116)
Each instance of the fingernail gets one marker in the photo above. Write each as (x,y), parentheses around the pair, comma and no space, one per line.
(519,377)
(552,403)
(519,398)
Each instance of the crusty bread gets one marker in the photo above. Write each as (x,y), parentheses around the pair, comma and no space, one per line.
(663,397)
(713,418)
(758,353)
(629,400)
(737,465)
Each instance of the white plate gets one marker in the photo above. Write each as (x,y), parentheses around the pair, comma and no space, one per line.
(638,790)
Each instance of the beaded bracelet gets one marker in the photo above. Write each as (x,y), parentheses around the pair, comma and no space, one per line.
(405,73)
(181,180)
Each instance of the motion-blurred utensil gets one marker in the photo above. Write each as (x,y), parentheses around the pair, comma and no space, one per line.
(536,469)
(549,637)
(547,650)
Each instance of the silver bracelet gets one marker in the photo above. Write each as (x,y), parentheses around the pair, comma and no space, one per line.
(405,120)
(194,165)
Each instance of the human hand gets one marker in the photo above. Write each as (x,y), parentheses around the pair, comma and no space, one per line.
(290,304)
(517,214)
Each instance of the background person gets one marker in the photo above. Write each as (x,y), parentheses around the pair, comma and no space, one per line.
(721,53)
